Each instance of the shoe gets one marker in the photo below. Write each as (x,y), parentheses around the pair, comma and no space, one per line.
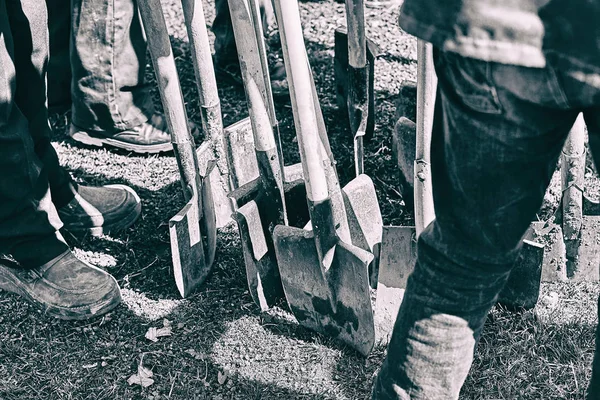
(228,70)
(64,287)
(150,137)
(100,210)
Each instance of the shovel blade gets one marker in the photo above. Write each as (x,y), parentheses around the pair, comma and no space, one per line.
(522,289)
(190,266)
(364,217)
(396,262)
(262,273)
(333,300)
(341,76)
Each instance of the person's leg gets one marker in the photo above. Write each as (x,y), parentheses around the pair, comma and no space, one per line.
(28,219)
(497,136)
(59,65)
(31,55)
(112,104)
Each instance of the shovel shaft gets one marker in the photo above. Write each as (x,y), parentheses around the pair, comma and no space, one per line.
(426,91)
(306,121)
(357,43)
(572,174)
(171,95)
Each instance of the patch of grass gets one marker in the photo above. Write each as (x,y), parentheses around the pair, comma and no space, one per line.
(219,331)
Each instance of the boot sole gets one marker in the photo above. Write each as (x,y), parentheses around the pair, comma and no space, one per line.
(85,138)
(117,226)
(10,283)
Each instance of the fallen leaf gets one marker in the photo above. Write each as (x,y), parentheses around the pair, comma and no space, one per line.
(195,354)
(154,333)
(222,377)
(88,366)
(142,378)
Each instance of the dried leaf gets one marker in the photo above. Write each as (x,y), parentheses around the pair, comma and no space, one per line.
(195,354)
(88,366)
(142,378)
(222,377)
(154,333)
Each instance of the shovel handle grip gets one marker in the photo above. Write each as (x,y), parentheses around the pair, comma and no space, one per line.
(170,94)
(299,76)
(357,42)
(426,93)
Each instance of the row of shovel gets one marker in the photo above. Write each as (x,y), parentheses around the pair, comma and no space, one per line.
(305,238)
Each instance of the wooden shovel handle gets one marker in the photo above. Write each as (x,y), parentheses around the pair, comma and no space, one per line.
(252,74)
(171,96)
(357,42)
(426,92)
(299,78)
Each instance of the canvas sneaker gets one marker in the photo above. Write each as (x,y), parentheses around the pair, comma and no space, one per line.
(64,287)
(100,210)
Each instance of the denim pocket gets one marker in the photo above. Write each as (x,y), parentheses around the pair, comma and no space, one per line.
(471,80)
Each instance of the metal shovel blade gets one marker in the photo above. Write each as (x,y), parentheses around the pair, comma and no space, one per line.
(193,253)
(342,77)
(364,218)
(332,299)
(394,268)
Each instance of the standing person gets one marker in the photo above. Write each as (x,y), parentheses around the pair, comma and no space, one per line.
(37,196)
(513,77)
(97,67)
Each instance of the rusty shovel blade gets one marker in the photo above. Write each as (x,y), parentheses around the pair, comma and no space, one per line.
(333,297)
(193,234)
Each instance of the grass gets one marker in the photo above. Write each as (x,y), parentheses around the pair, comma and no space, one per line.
(222,346)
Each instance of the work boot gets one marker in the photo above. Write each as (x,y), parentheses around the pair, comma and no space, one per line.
(100,210)
(150,137)
(64,287)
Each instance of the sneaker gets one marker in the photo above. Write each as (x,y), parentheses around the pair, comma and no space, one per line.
(100,210)
(64,287)
(150,137)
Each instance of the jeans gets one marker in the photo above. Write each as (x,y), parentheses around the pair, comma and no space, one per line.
(97,64)
(497,135)
(30,177)
(98,60)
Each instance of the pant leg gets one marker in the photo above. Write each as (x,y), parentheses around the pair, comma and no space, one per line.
(28,219)
(108,60)
(225,48)
(31,55)
(59,66)
(498,132)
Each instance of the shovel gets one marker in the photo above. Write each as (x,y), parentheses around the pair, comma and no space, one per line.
(262,202)
(325,279)
(359,88)
(355,20)
(193,230)
(398,252)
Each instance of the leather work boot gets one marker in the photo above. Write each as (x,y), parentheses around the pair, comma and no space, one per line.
(150,137)
(64,287)
(100,210)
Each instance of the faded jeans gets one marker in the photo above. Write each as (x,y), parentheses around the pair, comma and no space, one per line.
(29,169)
(497,136)
(98,60)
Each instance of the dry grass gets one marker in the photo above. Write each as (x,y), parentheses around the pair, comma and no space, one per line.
(219,331)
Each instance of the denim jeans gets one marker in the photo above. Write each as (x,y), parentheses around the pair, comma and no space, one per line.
(28,218)
(497,136)
(97,64)
(98,60)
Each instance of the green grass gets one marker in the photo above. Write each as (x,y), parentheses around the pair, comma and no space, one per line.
(543,354)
